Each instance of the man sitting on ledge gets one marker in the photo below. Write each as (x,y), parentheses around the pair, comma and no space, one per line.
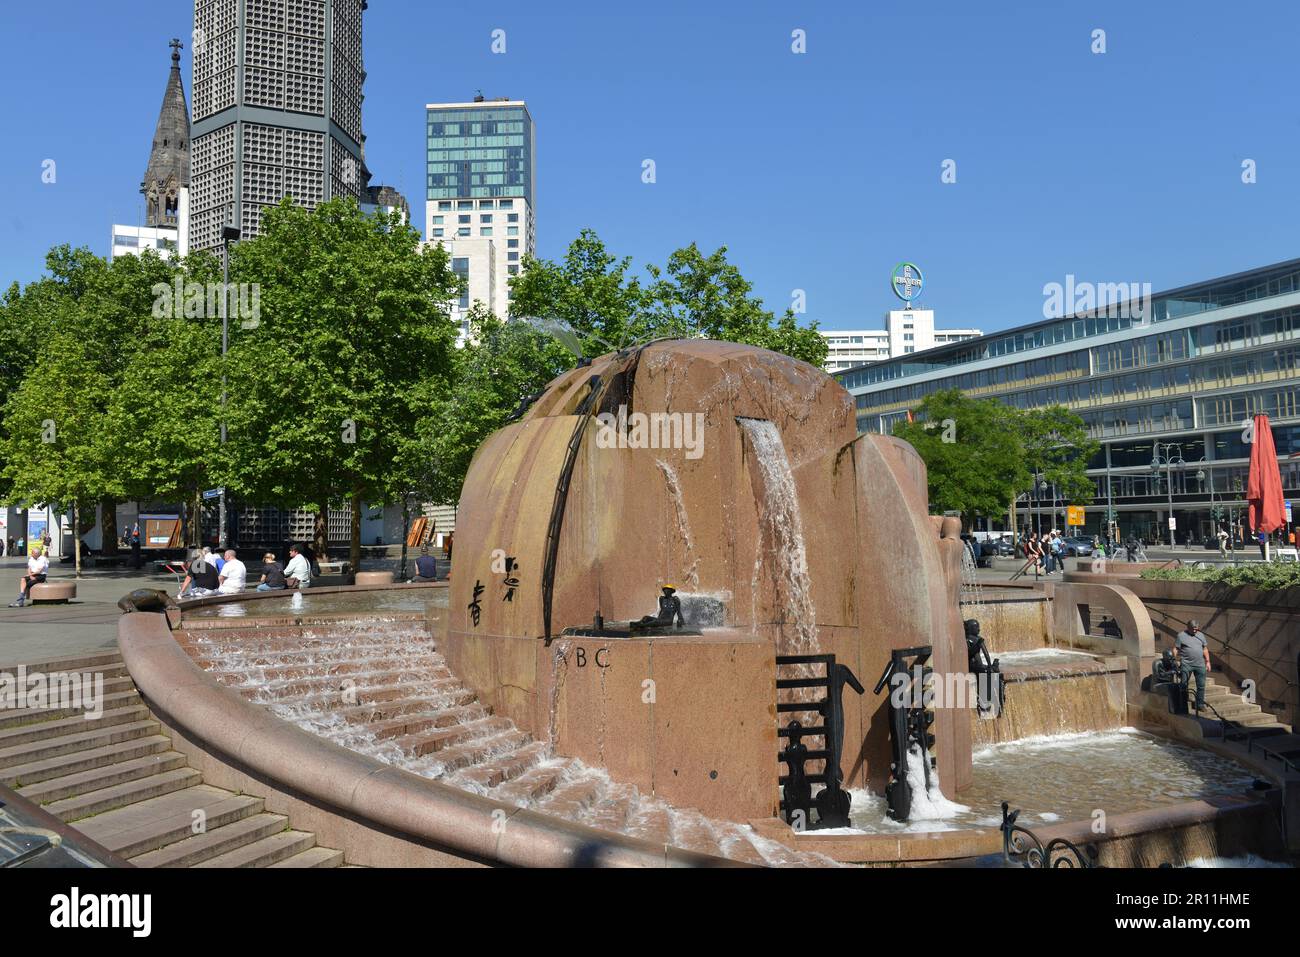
(426,567)
(37,568)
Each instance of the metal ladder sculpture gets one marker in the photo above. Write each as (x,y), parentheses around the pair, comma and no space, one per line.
(832,803)
(909,723)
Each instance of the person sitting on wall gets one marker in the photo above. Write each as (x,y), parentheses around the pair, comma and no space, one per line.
(272,574)
(201,578)
(670,611)
(37,568)
(426,569)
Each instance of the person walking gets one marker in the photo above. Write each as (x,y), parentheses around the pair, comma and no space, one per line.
(1194,658)
(38,567)
(135,546)
(1223,542)
(22,545)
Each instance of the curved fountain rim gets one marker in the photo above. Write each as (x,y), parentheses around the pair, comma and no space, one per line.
(351,783)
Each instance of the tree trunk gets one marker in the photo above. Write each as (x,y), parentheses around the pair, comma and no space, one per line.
(354,548)
(1012,513)
(321,531)
(108,526)
(406,533)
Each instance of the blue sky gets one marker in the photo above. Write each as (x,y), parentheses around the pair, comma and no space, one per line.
(819,171)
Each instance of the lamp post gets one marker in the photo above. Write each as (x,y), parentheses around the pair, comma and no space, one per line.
(229,234)
(1173,455)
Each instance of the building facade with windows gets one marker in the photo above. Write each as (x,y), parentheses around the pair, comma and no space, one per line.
(906,331)
(277,110)
(1174,383)
(481,185)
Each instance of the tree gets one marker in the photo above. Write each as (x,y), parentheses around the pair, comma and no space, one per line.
(591,293)
(1058,447)
(353,318)
(59,446)
(972,451)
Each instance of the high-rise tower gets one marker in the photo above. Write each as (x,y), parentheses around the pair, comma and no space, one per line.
(277,109)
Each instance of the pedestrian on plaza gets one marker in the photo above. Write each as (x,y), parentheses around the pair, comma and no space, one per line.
(46,541)
(297,574)
(233,576)
(1223,542)
(1194,658)
(272,574)
(38,567)
(426,569)
(22,545)
(200,578)
(10,549)
(135,546)
(1263,545)
(213,559)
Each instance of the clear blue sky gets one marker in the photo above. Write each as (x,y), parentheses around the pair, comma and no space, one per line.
(818,171)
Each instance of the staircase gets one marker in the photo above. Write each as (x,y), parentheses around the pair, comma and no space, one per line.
(384,690)
(1229,704)
(117,780)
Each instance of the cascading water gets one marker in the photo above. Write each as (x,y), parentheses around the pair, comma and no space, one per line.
(683,524)
(383,689)
(785,527)
(972,593)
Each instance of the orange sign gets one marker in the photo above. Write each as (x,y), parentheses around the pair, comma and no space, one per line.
(1074,515)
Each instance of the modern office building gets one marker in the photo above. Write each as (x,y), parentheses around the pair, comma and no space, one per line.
(1171,384)
(906,331)
(277,110)
(481,195)
(165,186)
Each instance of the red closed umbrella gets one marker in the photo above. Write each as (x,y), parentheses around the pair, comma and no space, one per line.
(1264,489)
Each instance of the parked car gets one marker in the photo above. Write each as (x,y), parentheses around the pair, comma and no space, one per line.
(983,551)
(1078,547)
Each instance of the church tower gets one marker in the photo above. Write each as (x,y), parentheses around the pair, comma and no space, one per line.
(169,160)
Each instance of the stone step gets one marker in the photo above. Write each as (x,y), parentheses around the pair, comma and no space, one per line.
(496,771)
(405,725)
(22,734)
(531,786)
(86,661)
(430,742)
(23,775)
(414,665)
(691,831)
(613,809)
(315,857)
(297,653)
(373,712)
(1258,719)
(98,736)
(213,842)
(366,696)
(476,752)
(93,779)
(265,852)
(735,847)
(571,801)
(651,822)
(120,795)
(157,822)
(30,716)
(328,683)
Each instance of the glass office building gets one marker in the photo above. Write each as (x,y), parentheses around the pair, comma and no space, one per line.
(1185,374)
(481,180)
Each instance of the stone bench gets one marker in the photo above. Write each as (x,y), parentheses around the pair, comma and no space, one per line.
(55,591)
(373,578)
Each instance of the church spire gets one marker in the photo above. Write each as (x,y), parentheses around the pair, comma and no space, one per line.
(169,159)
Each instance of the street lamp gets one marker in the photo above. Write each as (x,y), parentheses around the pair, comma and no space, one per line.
(1173,455)
(229,234)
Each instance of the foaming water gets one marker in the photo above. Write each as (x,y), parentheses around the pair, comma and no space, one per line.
(306,602)
(1066,777)
(785,525)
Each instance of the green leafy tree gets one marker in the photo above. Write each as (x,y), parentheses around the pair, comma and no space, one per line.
(972,451)
(353,318)
(58,445)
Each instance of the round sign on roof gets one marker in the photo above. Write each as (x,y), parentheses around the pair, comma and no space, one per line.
(907,282)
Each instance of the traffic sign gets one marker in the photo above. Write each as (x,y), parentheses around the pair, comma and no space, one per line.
(1074,515)
(1173,524)
(212,493)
